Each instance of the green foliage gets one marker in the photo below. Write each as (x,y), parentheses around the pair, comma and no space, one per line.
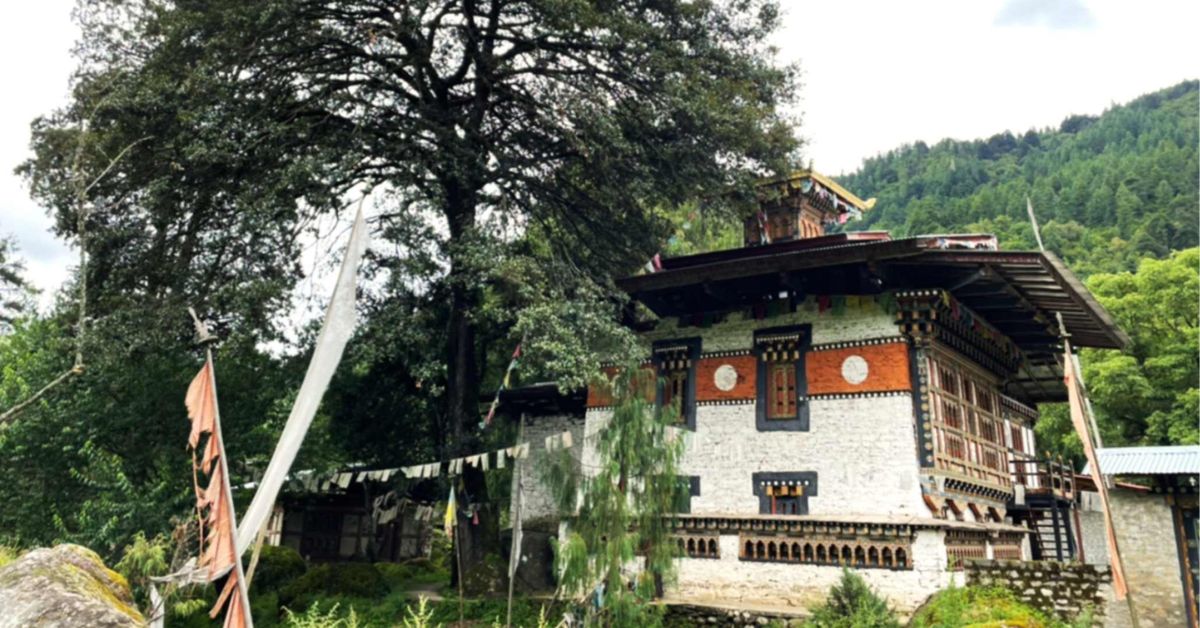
(8,554)
(853,604)
(405,576)
(314,617)
(1148,395)
(144,558)
(277,566)
(971,606)
(419,617)
(15,292)
(620,512)
(361,580)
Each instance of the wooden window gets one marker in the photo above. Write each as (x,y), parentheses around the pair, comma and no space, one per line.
(781,386)
(781,391)
(969,439)
(784,493)
(675,363)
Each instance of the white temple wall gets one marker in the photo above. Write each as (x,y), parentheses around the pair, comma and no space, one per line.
(728,580)
(862,449)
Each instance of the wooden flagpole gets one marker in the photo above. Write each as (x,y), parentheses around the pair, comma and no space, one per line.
(207,339)
(514,554)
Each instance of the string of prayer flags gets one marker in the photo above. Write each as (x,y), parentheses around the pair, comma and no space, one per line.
(555,442)
(504,384)
(654,264)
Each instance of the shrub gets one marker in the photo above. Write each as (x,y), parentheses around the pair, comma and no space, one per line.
(852,604)
(407,576)
(277,566)
(314,618)
(8,554)
(978,605)
(140,560)
(361,580)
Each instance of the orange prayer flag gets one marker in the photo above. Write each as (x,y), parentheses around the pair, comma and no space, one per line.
(214,503)
(1075,401)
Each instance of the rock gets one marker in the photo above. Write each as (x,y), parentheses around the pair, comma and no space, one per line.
(67,585)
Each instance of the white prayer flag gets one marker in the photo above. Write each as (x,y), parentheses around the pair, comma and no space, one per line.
(500,454)
(567,440)
(483,462)
(331,342)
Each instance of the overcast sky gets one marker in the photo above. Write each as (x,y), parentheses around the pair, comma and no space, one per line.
(876,75)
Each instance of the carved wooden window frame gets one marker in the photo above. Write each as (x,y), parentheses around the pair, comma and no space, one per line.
(968,427)
(774,349)
(675,361)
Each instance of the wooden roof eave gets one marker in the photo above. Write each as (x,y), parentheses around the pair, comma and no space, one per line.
(1087,321)
(753,265)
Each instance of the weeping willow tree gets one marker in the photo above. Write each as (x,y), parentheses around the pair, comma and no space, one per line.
(618,552)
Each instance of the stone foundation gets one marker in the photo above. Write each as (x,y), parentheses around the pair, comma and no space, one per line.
(1062,589)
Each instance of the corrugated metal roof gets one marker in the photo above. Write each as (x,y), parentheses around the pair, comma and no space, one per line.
(1182,459)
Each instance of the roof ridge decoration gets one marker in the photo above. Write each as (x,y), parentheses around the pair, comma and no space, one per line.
(803,179)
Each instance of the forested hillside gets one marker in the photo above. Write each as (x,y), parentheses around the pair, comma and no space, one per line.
(1116,196)
(1108,190)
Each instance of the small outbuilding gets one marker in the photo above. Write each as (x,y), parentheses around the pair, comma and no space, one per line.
(1154,507)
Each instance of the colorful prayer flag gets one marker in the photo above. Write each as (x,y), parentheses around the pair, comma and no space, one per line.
(451,519)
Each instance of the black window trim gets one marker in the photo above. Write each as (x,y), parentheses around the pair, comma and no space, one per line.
(800,422)
(764,500)
(688,407)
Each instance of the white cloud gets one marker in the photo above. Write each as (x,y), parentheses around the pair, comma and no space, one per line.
(1055,14)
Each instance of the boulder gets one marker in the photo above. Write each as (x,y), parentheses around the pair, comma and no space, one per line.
(67,585)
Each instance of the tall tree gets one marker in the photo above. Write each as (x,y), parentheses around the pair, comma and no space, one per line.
(619,506)
(14,289)
(480,117)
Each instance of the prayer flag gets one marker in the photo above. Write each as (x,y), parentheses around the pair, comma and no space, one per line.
(331,342)
(451,518)
(1076,403)
(214,505)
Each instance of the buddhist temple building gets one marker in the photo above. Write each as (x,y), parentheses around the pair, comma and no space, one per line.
(854,399)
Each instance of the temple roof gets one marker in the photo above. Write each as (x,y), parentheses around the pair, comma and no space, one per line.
(803,179)
(1020,293)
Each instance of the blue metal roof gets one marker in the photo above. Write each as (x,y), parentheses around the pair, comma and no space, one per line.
(1181,459)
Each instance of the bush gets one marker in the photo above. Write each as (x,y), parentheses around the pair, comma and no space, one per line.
(852,604)
(407,576)
(358,580)
(314,618)
(277,566)
(8,554)
(978,605)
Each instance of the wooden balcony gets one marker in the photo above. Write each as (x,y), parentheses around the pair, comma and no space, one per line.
(1046,477)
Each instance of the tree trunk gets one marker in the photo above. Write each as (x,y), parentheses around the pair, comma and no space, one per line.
(462,393)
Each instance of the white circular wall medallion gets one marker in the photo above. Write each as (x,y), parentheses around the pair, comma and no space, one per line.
(725,377)
(854,369)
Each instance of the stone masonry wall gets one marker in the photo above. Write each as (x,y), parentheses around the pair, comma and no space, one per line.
(537,503)
(863,449)
(1146,538)
(1062,589)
